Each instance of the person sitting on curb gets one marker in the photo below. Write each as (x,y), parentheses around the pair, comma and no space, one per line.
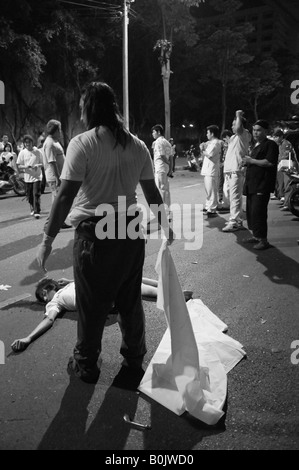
(60,296)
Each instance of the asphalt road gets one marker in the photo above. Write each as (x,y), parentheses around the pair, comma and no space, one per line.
(254,293)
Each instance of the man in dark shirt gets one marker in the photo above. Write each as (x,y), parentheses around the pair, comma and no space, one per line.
(259,183)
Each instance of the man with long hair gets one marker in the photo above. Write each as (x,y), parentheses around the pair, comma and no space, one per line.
(103,167)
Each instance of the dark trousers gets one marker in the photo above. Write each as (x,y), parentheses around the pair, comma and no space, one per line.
(106,272)
(287,191)
(220,184)
(257,214)
(33,193)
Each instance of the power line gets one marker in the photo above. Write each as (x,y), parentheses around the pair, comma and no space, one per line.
(108,8)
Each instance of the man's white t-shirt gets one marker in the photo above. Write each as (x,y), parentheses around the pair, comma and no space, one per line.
(52,152)
(65,299)
(238,146)
(161,146)
(106,171)
(31,158)
(211,162)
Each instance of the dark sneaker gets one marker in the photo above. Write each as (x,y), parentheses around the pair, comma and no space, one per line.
(64,225)
(88,375)
(211,214)
(251,240)
(262,245)
(285,208)
(128,378)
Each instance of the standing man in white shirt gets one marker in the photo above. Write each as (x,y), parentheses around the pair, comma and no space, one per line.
(238,147)
(211,168)
(162,163)
(31,161)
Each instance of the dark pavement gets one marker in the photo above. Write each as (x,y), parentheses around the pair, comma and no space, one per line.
(255,293)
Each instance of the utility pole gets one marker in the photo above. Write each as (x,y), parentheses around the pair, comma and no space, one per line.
(127,4)
(125,66)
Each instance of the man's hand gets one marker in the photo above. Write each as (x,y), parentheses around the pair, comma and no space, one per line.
(43,254)
(247,160)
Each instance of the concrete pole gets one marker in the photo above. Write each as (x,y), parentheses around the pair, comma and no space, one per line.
(125,66)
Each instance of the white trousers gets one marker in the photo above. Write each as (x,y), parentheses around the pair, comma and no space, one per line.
(162,183)
(233,183)
(211,188)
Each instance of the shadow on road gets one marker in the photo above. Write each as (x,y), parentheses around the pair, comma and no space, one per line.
(71,429)
(107,431)
(280,269)
(60,259)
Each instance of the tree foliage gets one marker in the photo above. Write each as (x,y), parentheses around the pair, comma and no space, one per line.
(222,50)
(49,49)
(261,78)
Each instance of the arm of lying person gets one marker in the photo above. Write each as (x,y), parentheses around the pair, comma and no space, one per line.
(21,344)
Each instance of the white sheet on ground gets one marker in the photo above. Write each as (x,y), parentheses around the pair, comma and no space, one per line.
(188,371)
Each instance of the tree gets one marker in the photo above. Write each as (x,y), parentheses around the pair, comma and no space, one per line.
(262,78)
(176,19)
(48,51)
(221,50)
(21,63)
